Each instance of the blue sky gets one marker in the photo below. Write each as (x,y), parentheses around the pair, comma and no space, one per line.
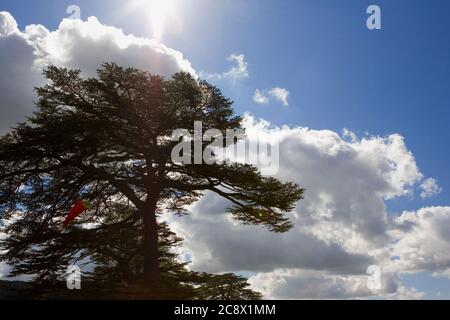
(339,73)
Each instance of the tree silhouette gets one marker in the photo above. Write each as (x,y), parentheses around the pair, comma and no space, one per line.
(107,139)
(116,255)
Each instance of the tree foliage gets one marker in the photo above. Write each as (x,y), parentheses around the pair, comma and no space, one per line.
(107,139)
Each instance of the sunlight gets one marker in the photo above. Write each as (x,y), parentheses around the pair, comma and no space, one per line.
(160,11)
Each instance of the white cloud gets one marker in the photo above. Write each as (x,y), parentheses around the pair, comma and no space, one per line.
(280,94)
(76,44)
(18,75)
(304,284)
(240,71)
(429,188)
(342,225)
(236,73)
(442,274)
(87,44)
(423,241)
(259,97)
(4,270)
(7,24)
(218,244)
(349,135)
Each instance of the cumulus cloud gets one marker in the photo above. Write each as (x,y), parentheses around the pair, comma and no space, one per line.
(442,274)
(18,75)
(76,44)
(240,71)
(86,44)
(306,284)
(7,24)
(281,94)
(217,244)
(342,225)
(429,188)
(423,241)
(259,97)
(236,73)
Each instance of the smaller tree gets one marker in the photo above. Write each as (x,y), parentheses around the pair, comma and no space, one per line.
(224,287)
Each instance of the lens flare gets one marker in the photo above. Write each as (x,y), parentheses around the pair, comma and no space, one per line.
(160,11)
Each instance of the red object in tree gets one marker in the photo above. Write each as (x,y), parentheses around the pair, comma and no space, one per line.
(79,207)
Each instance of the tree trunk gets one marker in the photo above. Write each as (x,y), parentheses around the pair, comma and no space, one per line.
(151,253)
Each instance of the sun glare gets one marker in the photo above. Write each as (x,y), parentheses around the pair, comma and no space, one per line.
(160,14)
(160,11)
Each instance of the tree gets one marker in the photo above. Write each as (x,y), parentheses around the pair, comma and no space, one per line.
(116,253)
(107,139)
(224,287)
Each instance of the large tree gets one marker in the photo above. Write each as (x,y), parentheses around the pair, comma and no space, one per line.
(111,257)
(107,139)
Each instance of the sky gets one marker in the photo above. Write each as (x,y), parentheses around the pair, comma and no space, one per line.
(363,115)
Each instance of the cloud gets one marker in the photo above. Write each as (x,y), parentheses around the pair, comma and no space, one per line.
(76,44)
(18,74)
(217,244)
(236,73)
(240,71)
(4,270)
(423,241)
(442,274)
(7,24)
(341,227)
(280,94)
(429,188)
(304,284)
(259,97)
(86,44)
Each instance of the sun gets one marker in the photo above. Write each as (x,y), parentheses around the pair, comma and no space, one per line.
(159,11)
